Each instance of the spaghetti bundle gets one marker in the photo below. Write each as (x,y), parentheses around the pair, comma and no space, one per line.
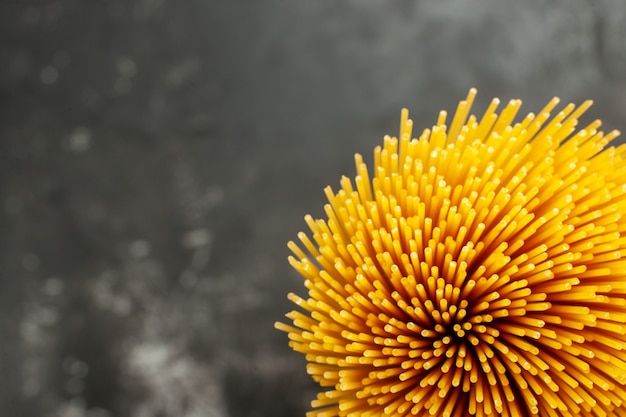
(479,269)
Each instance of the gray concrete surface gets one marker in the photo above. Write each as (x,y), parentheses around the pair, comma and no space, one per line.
(156,155)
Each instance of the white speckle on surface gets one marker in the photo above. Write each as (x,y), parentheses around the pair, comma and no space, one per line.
(49,75)
(196,238)
(35,319)
(79,140)
(126,67)
(108,295)
(72,408)
(53,287)
(181,72)
(29,330)
(122,306)
(139,249)
(214,196)
(47,316)
(75,367)
(179,385)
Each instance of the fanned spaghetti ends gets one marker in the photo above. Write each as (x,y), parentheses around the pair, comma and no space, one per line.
(477,270)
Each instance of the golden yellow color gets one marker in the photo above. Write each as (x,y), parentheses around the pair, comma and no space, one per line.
(479,271)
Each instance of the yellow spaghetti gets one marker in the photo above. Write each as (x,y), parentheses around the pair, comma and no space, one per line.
(477,270)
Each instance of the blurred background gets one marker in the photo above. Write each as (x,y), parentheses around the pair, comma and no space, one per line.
(157,155)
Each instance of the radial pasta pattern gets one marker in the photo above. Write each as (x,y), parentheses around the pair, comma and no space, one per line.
(479,269)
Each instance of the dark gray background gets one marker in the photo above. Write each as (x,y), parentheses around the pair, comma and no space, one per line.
(156,155)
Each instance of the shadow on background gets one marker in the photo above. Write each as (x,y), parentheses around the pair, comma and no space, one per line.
(157,156)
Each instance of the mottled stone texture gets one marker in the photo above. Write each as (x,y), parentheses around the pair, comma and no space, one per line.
(156,155)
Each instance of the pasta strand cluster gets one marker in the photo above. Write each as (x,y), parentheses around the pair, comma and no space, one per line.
(478,269)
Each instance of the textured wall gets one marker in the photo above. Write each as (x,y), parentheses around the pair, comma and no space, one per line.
(156,155)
